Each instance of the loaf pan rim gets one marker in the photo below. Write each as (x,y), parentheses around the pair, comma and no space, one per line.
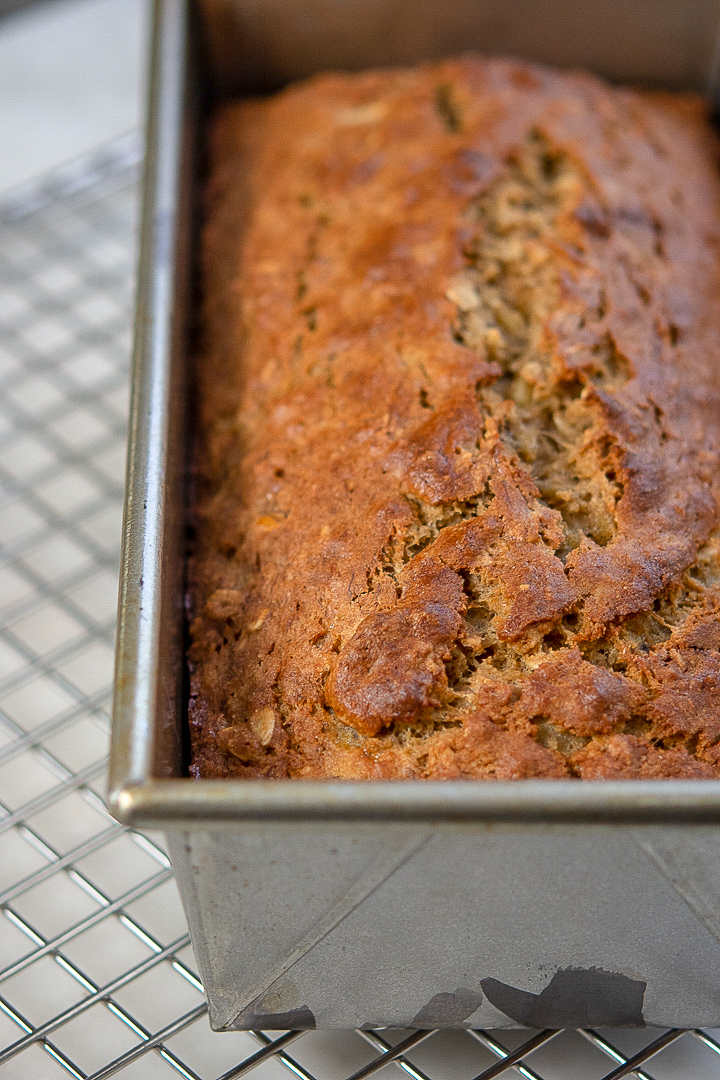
(137,796)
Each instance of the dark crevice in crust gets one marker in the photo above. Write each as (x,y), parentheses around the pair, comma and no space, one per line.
(448,109)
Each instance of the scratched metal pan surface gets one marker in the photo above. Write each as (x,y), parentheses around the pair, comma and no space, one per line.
(336,904)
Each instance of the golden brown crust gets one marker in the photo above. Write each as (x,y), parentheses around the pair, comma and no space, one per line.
(456,475)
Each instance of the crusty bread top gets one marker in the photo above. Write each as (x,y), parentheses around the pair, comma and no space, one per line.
(458,454)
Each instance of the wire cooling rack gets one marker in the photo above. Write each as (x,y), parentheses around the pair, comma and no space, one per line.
(96,973)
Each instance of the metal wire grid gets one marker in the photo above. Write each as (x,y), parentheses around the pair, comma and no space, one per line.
(96,973)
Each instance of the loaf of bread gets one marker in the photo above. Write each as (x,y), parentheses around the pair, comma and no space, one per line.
(457,462)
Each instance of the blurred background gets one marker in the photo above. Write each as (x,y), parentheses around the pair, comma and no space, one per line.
(71,77)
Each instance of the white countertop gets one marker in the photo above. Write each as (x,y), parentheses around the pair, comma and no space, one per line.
(71,77)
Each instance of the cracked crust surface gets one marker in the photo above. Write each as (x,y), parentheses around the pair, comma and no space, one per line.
(458,432)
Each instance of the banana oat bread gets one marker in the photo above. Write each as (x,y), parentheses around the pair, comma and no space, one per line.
(457,470)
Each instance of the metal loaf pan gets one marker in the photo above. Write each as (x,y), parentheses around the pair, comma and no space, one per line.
(534,903)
